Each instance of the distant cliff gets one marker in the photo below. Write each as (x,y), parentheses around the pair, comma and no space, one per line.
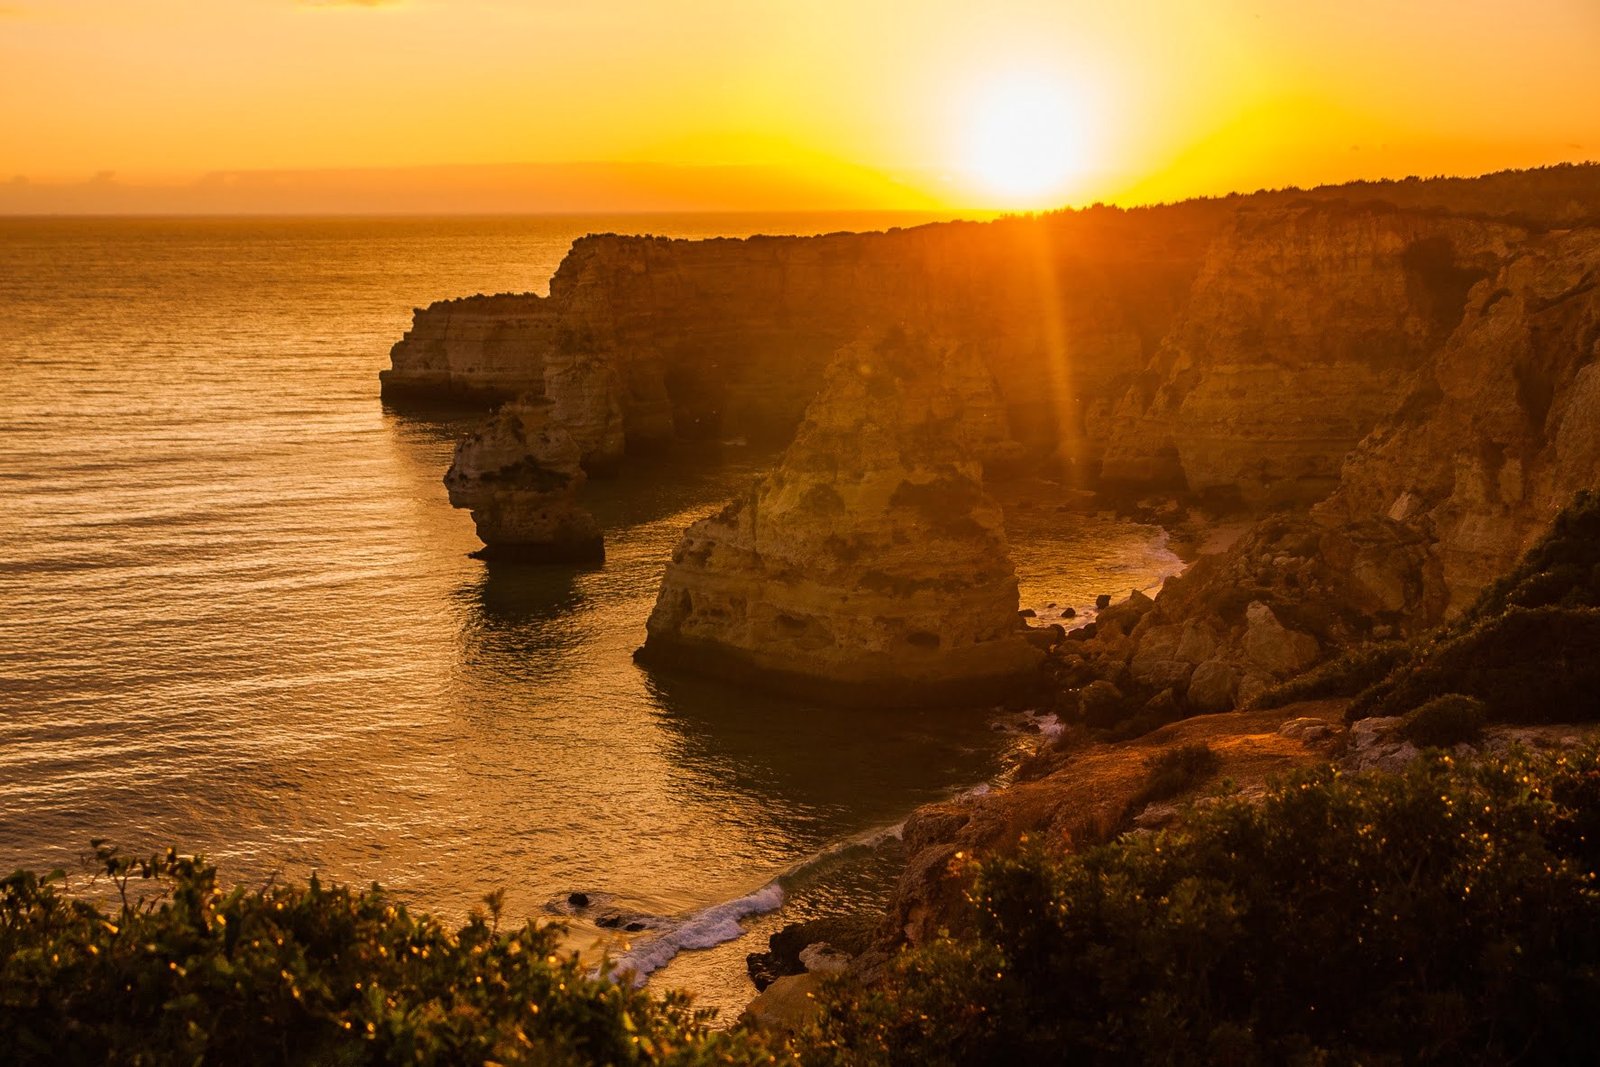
(729,338)
(1238,346)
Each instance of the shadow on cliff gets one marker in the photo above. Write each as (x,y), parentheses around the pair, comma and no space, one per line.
(874,765)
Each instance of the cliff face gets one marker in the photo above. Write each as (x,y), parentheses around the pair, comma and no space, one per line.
(1490,437)
(520,477)
(1303,325)
(870,565)
(1501,428)
(1246,365)
(645,339)
(475,348)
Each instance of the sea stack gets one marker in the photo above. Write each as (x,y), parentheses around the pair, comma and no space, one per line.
(520,476)
(870,567)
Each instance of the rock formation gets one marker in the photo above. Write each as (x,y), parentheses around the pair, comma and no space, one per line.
(1238,346)
(520,475)
(1501,429)
(870,565)
(1491,437)
(483,348)
(1302,327)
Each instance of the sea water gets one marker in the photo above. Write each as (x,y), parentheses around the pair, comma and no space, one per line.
(238,615)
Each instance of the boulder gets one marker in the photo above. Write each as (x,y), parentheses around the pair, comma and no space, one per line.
(1212,687)
(1273,647)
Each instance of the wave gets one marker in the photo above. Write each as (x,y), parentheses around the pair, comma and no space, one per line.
(723,922)
(704,929)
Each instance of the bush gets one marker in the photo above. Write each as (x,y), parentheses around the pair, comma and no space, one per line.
(182,972)
(1562,569)
(1444,722)
(1534,665)
(1173,771)
(1442,916)
(1528,647)
(1344,676)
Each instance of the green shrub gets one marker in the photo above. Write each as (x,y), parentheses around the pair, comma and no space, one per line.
(1446,915)
(183,972)
(1343,676)
(1173,771)
(1562,569)
(1445,721)
(1528,647)
(1527,665)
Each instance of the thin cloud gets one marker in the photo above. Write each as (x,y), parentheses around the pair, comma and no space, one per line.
(348,3)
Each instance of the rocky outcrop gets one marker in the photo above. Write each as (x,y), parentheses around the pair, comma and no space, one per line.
(1303,326)
(1501,429)
(483,348)
(870,565)
(1491,437)
(644,339)
(520,475)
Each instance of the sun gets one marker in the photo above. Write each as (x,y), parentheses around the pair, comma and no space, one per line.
(1024,139)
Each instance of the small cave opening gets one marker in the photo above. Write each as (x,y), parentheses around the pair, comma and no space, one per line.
(1438,282)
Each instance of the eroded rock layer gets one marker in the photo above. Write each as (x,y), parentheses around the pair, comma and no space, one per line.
(1303,325)
(870,565)
(520,475)
(1239,346)
(484,348)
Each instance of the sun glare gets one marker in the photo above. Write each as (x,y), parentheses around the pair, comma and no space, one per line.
(1024,140)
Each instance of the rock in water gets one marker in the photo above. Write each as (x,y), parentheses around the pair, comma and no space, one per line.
(520,476)
(870,567)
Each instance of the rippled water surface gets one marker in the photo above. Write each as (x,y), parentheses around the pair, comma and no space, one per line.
(237,613)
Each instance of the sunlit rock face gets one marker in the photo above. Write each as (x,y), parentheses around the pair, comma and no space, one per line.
(1304,326)
(1501,428)
(520,475)
(870,566)
(1492,436)
(646,340)
(476,348)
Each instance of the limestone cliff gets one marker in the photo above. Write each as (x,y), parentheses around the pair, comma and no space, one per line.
(475,348)
(1491,436)
(1303,325)
(646,339)
(1501,428)
(870,565)
(520,474)
(1239,345)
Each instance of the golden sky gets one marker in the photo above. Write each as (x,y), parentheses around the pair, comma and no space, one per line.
(977,103)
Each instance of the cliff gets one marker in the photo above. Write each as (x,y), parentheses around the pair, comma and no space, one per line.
(870,566)
(1482,444)
(520,474)
(1303,325)
(482,348)
(729,338)
(1496,434)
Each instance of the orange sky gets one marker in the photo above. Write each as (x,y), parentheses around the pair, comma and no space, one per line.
(822,103)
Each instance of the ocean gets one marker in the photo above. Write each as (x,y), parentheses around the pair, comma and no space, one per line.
(238,615)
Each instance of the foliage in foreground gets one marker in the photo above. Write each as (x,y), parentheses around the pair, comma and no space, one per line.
(1448,915)
(309,974)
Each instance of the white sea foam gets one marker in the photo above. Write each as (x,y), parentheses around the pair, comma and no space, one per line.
(704,929)
(723,922)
